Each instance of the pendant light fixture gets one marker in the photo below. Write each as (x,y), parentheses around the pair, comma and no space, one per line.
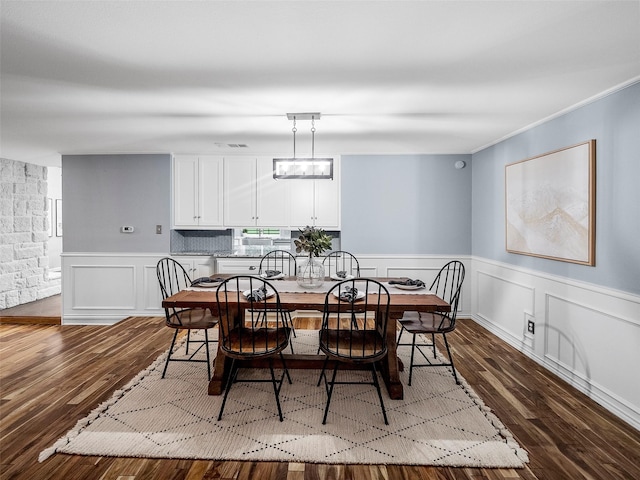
(303,168)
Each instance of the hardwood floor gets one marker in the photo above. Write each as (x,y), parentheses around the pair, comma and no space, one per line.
(51,376)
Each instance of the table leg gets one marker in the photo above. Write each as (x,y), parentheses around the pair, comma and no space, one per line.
(221,366)
(390,366)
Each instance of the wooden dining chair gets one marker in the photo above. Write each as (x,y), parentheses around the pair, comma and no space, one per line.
(341,261)
(244,338)
(172,278)
(353,332)
(447,285)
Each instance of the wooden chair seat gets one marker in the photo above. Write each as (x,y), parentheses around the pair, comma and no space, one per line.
(339,344)
(433,322)
(243,343)
(197,319)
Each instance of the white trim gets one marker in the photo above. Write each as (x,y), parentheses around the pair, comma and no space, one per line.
(560,113)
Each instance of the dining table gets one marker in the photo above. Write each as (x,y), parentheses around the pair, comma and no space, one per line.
(293,297)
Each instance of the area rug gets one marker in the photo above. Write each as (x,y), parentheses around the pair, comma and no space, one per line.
(437,423)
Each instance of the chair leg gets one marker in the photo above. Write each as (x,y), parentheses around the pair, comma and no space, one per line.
(330,392)
(186,352)
(173,342)
(446,343)
(206,347)
(322,374)
(284,366)
(292,327)
(433,344)
(400,334)
(232,374)
(413,349)
(374,373)
(276,388)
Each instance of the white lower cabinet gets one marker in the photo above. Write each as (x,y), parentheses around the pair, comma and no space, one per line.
(237,266)
(196,266)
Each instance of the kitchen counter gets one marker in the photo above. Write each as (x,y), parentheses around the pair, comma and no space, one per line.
(246,251)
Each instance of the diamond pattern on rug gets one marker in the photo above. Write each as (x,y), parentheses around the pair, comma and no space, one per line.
(437,423)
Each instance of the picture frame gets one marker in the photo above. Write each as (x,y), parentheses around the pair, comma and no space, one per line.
(550,205)
(50,216)
(58,217)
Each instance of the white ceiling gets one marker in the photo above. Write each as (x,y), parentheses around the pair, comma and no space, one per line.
(388,77)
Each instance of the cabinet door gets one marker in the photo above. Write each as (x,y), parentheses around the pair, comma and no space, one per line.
(237,266)
(197,266)
(327,205)
(185,188)
(301,201)
(203,267)
(210,191)
(272,196)
(239,191)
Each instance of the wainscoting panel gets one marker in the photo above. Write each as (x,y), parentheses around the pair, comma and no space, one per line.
(504,303)
(99,289)
(103,287)
(577,335)
(151,290)
(588,335)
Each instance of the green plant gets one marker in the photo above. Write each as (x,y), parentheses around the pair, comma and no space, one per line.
(313,240)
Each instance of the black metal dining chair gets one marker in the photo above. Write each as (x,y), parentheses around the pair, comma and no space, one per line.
(353,332)
(284,262)
(172,278)
(278,260)
(341,262)
(247,339)
(447,285)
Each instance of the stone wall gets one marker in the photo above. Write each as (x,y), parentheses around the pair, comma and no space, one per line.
(24,226)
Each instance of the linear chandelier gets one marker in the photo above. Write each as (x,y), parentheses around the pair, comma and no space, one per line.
(303,168)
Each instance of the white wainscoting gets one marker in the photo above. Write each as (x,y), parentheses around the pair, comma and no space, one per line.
(102,289)
(588,335)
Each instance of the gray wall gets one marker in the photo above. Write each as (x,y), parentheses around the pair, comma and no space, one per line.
(101,193)
(406,204)
(614,121)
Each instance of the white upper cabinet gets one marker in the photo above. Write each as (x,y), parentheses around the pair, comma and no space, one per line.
(251,195)
(316,202)
(213,192)
(197,192)
(272,203)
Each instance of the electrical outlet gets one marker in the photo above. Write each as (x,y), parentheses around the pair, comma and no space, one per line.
(158,229)
(531,327)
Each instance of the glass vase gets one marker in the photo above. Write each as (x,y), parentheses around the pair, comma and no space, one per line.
(310,273)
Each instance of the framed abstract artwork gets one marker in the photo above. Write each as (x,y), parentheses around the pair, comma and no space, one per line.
(550,205)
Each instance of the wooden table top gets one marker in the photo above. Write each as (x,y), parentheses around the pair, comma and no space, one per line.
(312,300)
